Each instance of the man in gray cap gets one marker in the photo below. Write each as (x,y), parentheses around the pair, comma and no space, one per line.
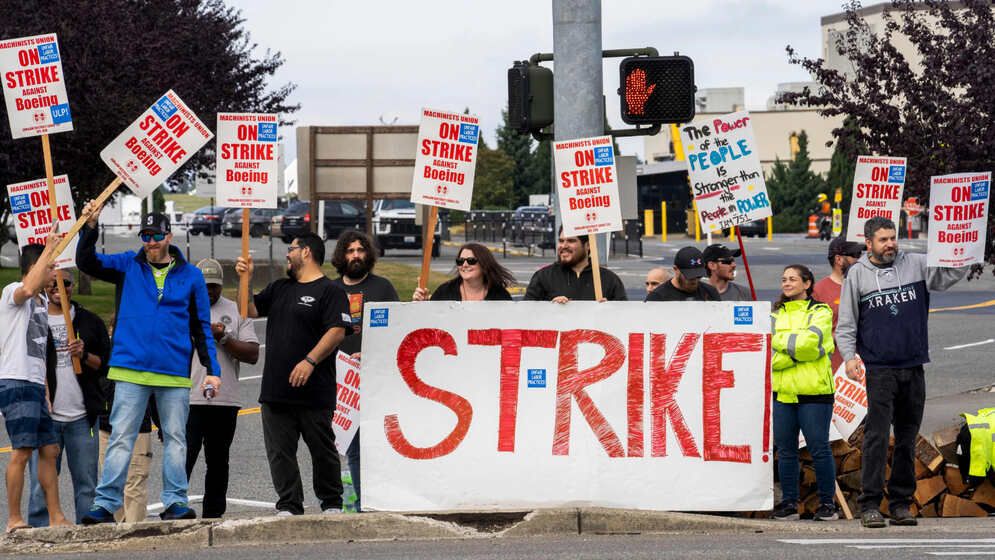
(212,418)
(720,262)
(686,285)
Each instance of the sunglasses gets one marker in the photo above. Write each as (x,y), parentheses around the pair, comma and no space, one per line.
(469,260)
(147,237)
(725,261)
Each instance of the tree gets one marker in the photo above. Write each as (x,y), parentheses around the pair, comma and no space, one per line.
(844,162)
(118,57)
(519,148)
(793,189)
(936,110)
(541,168)
(492,180)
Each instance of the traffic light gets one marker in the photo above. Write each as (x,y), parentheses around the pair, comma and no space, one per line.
(530,97)
(657,89)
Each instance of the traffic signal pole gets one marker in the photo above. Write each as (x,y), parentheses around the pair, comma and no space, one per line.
(578,90)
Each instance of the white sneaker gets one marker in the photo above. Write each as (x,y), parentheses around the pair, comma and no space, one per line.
(284,513)
(331,511)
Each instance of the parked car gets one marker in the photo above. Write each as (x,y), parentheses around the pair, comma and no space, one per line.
(339,215)
(527,215)
(395,228)
(260,220)
(207,220)
(756,228)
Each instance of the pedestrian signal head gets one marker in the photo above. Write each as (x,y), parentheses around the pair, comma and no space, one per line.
(657,89)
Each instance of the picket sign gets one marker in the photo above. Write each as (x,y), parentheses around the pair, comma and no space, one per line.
(444,168)
(587,190)
(30,207)
(878,182)
(246,173)
(661,406)
(345,419)
(958,207)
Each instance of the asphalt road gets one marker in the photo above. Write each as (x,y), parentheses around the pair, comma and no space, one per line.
(856,544)
(961,342)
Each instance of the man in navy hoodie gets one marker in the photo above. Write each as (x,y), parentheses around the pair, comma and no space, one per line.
(884,308)
(163,318)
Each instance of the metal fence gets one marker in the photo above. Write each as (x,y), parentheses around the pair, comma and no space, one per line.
(537,233)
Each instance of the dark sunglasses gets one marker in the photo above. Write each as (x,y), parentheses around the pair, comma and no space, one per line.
(725,261)
(146,237)
(469,260)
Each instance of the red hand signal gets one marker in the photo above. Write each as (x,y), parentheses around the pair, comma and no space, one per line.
(636,92)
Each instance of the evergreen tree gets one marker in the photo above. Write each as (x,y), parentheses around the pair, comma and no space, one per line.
(793,189)
(518,147)
(844,162)
(492,180)
(541,168)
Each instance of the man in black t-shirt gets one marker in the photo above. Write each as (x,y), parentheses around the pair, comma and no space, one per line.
(686,285)
(308,319)
(354,259)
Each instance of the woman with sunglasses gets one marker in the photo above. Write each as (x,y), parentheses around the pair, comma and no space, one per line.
(479,278)
(802,381)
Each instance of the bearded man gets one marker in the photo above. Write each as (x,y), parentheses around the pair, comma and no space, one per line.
(571,277)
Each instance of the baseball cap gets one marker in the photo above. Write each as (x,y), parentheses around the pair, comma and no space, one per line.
(690,262)
(156,222)
(719,251)
(840,246)
(211,269)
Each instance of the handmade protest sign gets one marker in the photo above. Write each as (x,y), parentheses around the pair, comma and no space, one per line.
(600,404)
(726,178)
(34,87)
(345,419)
(247,165)
(446,159)
(30,207)
(878,183)
(587,186)
(153,147)
(958,208)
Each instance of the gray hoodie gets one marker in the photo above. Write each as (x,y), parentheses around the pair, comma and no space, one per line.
(884,311)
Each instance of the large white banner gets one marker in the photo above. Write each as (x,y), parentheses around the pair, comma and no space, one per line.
(661,406)
(34,87)
(247,162)
(29,204)
(958,208)
(587,186)
(878,183)
(446,159)
(724,169)
(153,147)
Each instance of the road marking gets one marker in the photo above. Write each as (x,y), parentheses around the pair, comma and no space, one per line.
(959,346)
(988,303)
(887,541)
(881,546)
(961,553)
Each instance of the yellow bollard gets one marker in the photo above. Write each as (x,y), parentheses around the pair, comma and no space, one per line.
(732,233)
(770,228)
(648,222)
(663,221)
(697,223)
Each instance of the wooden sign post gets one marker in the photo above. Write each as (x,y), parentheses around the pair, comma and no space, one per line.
(428,239)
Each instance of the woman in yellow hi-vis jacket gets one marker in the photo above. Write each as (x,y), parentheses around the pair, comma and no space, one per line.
(802,381)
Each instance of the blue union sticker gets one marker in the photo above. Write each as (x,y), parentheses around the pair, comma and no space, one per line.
(20,203)
(48,53)
(164,108)
(468,133)
(60,114)
(379,317)
(267,132)
(896,173)
(537,378)
(979,190)
(742,315)
(604,155)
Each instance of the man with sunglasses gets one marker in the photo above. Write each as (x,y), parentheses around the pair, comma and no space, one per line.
(163,318)
(307,318)
(76,400)
(721,264)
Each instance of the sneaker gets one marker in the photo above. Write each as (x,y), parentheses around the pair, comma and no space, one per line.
(97,515)
(826,512)
(902,516)
(331,511)
(872,519)
(284,513)
(786,512)
(177,511)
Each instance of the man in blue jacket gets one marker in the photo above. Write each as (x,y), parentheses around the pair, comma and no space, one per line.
(163,318)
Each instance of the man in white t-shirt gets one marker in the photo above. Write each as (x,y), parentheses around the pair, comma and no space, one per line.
(23,402)
(211,422)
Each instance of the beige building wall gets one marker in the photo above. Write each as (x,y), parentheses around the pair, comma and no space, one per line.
(773,131)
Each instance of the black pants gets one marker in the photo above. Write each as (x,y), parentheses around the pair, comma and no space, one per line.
(894,397)
(283,427)
(214,428)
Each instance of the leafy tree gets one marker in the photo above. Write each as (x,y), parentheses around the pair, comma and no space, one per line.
(493,179)
(935,110)
(793,189)
(118,57)
(541,168)
(519,148)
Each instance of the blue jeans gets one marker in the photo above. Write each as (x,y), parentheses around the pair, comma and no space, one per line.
(130,401)
(352,454)
(81,446)
(813,420)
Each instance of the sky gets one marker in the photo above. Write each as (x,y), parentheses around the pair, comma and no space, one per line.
(357,62)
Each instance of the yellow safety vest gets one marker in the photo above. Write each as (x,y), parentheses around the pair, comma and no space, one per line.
(982,428)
